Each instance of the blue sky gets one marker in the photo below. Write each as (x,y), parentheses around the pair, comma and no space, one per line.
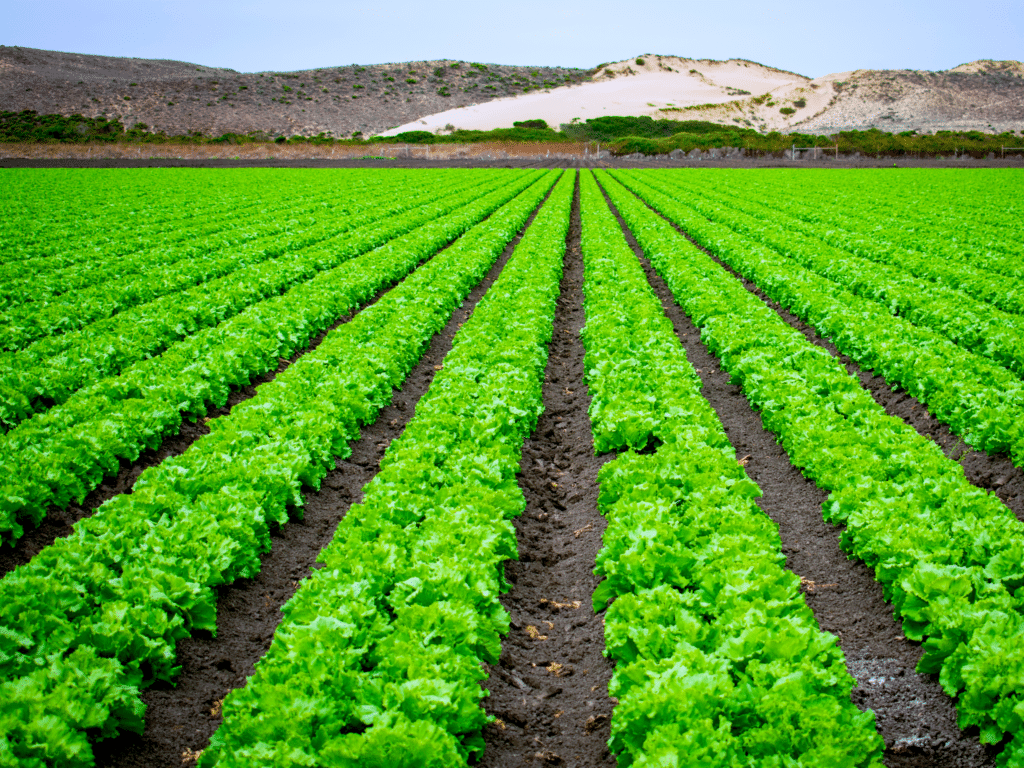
(810,38)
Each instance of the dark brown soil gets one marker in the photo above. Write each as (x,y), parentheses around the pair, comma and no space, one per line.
(180,719)
(550,688)
(913,714)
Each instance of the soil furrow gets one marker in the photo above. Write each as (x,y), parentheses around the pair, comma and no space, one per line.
(913,714)
(549,690)
(181,718)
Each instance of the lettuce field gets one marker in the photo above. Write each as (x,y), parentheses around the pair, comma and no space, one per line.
(500,467)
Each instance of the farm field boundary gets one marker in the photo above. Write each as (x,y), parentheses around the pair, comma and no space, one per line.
(913,714)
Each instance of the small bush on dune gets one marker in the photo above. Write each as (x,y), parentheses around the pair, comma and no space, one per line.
(541,124)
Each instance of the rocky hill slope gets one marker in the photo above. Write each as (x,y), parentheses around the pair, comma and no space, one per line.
(178,97)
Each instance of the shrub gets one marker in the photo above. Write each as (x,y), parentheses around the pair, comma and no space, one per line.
(787,111)
(634,144)
(415,137)
(800,103)
(640,62)
(411,80)
(541,124)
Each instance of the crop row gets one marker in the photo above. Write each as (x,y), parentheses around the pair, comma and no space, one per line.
(930,257)
(378,658)
(719,660)
(931,211)
(948,554)
(97,615)
(970,323)
(30,282)
(63,454)
(49,371)
(24,323)
(918,210)
(981,401)
(67,218)
(48,208)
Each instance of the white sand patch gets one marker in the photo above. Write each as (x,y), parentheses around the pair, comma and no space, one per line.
(661,87)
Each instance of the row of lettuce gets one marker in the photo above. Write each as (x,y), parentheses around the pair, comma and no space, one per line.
(949,296)
(59,456)
(979,399)
(948,554)
(915,210)
(718,659)
(52,369)
(96,616)
(984,261)
(159,243)
(62,217)
(102,293)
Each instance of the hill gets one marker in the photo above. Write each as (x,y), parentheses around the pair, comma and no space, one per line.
(179,97)
(984,95)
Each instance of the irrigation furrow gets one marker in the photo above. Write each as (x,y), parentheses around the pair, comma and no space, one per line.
(549,690)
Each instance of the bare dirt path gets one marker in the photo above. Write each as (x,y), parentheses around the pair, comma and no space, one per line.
(914,715)
(550,688)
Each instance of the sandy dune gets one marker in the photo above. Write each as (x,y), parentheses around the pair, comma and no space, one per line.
(753,95)
(662,86)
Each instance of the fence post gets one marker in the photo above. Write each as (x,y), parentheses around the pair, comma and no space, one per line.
(793,156)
